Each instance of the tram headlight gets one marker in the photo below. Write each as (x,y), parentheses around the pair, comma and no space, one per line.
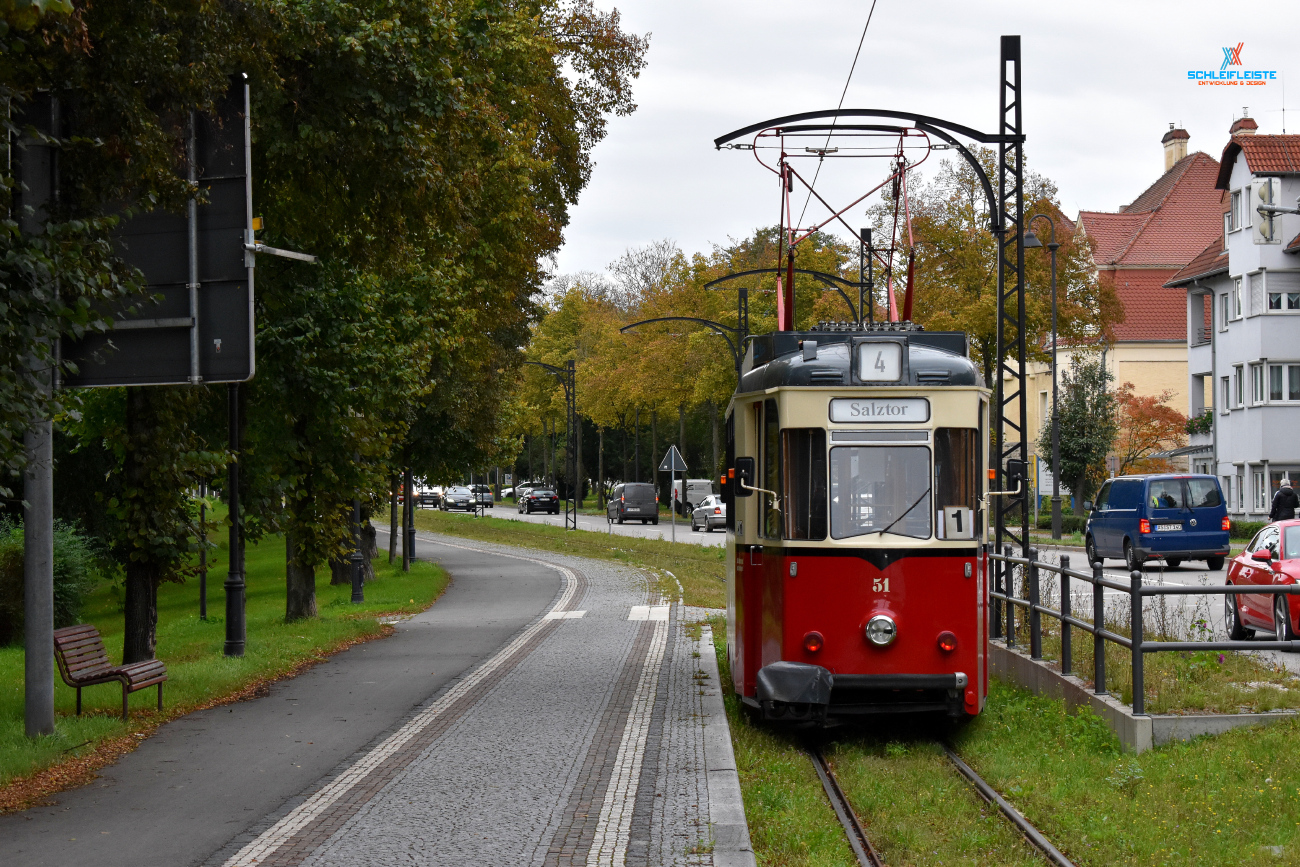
(881,630)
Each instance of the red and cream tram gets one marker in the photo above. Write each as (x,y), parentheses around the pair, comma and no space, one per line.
(855,511)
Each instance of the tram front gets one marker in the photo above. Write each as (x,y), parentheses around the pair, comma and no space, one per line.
(855,509)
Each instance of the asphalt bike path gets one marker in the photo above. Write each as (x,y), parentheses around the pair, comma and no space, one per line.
(540,713)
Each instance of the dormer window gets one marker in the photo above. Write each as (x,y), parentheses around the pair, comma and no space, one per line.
(1234,216)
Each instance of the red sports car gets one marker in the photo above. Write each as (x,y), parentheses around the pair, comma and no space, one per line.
(1272,557)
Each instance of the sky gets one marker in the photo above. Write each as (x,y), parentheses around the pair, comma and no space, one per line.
(1102,81)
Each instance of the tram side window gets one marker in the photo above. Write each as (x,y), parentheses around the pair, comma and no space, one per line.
(956,468)
(879,489)
(771,469)
(803,455)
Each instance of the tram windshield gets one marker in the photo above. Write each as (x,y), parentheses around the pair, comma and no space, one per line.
(877,489)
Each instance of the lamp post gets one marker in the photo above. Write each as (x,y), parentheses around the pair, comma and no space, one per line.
(1031,240)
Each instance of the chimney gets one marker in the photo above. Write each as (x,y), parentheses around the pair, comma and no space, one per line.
(1243,125)
(1175,142)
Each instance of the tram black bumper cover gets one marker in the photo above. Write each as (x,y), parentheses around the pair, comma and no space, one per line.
(794,683)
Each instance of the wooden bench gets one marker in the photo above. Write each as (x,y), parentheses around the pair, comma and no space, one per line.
(84,662)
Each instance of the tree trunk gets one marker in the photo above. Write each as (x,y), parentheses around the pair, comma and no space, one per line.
(141,603)
(300,582)
(713,415)
(654,447)
(578,472)
(681,434)
(369,550)
(392,521)
(600,468)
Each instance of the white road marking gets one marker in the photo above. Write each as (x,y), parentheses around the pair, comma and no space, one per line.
(302,815)
(564,615)
(609,846)
(648,612)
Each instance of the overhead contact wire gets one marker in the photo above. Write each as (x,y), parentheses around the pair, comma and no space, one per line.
(843,93)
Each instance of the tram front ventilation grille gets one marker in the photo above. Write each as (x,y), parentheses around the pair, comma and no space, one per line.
(825,377)
(933,377)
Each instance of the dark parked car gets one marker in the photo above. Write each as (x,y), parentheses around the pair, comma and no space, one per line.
(458,497)
(710,513)
(633,500)
(1175,517)
(539,500)
(1272,557)
(482,495)
(430,497)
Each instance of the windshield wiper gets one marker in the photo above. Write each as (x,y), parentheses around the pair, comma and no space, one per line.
(893,523)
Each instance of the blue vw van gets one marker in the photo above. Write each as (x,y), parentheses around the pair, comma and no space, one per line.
(1174,517)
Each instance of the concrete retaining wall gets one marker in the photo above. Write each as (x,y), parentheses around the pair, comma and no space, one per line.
(1136,733)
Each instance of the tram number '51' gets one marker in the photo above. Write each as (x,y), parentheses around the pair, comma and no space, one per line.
(880,585)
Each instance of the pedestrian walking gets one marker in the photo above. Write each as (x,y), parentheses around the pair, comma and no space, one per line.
(1285,502)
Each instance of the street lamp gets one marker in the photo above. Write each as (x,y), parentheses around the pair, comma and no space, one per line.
(1031,240)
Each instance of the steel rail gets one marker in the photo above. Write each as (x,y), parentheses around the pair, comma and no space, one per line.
(862,849)
(988,793)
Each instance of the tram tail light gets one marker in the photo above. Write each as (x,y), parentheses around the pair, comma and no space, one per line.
(1144,526)
(947,642)
(1227,523)
(813,641)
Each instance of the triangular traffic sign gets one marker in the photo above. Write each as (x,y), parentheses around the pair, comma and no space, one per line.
(672,462)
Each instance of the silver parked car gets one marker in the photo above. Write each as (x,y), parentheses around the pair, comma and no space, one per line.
(482,495)
(710,513)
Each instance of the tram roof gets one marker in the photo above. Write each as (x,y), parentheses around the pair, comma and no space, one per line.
(825,356)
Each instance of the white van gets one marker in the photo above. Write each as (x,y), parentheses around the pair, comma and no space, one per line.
(696,491)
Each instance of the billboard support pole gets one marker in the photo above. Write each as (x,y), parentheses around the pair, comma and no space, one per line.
(235,629)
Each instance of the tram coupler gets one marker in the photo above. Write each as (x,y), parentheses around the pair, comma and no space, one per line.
(794,692)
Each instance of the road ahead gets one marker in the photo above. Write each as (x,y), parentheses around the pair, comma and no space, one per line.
(597,524)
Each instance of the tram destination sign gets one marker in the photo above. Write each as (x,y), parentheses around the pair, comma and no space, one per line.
(871,410)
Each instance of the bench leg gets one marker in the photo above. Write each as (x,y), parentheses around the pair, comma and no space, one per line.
(160,696)
(78,701)
(124,695)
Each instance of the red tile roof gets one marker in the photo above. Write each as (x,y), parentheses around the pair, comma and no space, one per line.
(1152,311)
(1213,260)
(1265,155)
(1167,225)
(1294,246)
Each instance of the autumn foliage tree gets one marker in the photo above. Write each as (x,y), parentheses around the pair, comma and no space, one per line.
(1145,425)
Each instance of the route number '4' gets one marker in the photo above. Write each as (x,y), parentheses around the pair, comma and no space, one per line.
(880,585)
(880,361)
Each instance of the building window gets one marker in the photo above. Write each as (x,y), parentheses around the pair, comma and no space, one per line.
(1241,492)
(1285,300)
(1283,383)
(1256,384)
(1238,386)
(1261,492)
(1223,312)
(1227,491)
(1235,214)
(1227,227)
(1236,298)
(1226,389)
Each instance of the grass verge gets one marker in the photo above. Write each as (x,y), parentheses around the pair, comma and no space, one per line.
(790,821)
(1229,799)
(699,569)
(199,674)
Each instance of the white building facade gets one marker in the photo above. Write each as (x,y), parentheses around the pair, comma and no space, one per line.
(1243,306)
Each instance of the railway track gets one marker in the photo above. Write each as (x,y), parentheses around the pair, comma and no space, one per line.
(866,853)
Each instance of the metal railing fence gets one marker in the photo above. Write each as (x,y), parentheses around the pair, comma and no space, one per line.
(1003,590)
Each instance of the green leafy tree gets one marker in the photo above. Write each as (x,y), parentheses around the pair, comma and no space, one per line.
(1088,424)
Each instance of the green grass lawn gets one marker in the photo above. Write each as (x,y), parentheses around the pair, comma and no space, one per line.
(1230,799)
(700,569)
(199,673)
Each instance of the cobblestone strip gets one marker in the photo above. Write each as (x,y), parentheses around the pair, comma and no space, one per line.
(609,845)
(577,829)
(653,768)
(311,823)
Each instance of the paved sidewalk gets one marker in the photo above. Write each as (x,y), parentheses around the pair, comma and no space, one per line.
(586,734)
